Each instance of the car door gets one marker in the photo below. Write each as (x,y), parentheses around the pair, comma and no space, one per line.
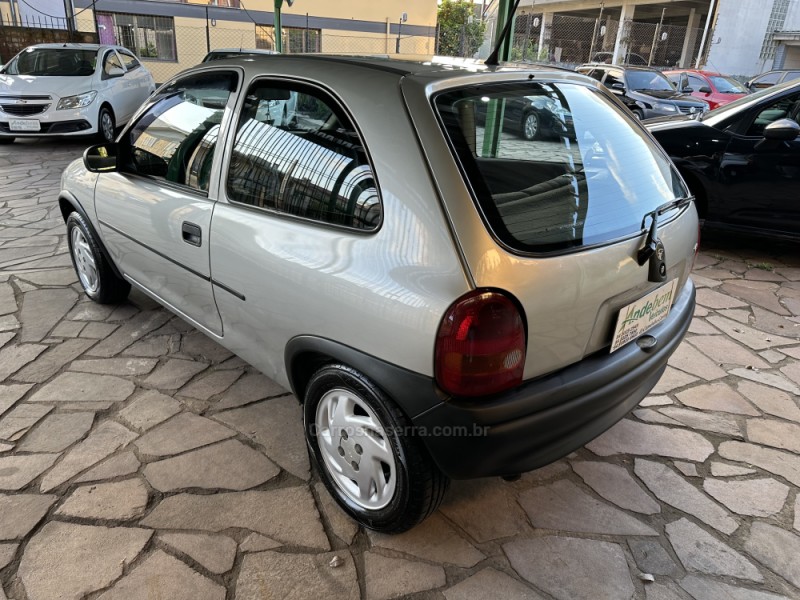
(112,76)
(761,179)
(295,204)
(138,78)
(155,212)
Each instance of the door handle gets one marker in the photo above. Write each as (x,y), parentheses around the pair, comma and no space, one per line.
(192,234)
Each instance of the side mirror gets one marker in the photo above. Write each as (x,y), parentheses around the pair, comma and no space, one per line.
(101,158)
(688,90)
(115,72)
(618,86)
(705,90)
(784,130)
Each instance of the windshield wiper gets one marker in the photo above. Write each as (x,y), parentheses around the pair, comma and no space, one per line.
(653,250)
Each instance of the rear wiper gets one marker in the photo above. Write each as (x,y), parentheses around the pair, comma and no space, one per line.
(653,249)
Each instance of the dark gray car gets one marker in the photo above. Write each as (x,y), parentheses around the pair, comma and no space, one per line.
(646,92)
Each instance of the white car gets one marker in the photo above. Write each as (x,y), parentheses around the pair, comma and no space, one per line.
(71,90)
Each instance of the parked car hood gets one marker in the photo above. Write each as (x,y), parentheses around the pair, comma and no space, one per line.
(52,86)
(673,122)
(667,95)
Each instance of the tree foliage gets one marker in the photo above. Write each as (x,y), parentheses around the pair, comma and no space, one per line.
(457,36)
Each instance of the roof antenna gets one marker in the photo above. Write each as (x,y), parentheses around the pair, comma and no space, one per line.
(492,60)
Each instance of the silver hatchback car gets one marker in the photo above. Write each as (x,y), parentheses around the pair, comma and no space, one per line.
(446,298)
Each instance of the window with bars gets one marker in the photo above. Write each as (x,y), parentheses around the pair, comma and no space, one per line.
(297,40)
(149,37)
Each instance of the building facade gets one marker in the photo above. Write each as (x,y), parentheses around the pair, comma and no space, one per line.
(172,36)
(736,37)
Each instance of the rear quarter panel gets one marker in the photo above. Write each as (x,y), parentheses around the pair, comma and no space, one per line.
(383,293)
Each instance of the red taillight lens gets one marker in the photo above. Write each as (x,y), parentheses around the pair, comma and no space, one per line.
(480,347)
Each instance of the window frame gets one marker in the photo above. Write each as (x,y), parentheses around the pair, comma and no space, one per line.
(108,56)
(212,193)
(224,170)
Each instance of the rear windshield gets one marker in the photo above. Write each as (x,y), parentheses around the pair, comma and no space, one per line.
(55,62)
(567,168)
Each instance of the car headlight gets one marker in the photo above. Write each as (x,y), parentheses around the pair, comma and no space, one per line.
(665,107)
(78,101)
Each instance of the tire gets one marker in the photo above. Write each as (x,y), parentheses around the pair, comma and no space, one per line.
(106,125)
(6,140)
(531,126)
(638,114)
(96,276)
(341,407)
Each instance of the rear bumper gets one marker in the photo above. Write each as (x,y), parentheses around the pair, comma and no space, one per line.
(521,429)
(547,418)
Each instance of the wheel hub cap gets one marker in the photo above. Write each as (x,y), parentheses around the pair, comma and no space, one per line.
(84,261)
(355,449)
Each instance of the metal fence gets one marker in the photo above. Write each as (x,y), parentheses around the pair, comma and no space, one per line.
(45,30)
(569,41)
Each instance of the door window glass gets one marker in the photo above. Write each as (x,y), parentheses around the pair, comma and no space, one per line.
(787,107)
(791,76)
(130,61)
(696,83)
(176,138)
(111,61)
(613,77)
(297,152)
(767,80)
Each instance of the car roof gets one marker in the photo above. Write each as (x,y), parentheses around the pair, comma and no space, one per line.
(698,71)
(433,68)
(624,67)
(76,46)
(243,51)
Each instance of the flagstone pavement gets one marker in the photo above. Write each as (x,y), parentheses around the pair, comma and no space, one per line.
(140,460)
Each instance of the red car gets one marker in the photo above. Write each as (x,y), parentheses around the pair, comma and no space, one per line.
(714,88)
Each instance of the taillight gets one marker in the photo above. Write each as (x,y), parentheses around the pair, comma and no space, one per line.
(480,347)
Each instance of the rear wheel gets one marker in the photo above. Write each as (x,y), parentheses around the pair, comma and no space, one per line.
(96,276)
(366,453)
(6,140)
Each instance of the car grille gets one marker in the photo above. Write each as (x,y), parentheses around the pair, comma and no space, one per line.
(687,110)
(24,110)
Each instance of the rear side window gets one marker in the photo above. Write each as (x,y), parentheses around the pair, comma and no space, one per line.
(555,167)
(297,152)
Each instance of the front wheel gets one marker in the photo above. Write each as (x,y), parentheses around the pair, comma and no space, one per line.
(531,126)
(638,114)
(369,459)
(106,125)
(96,276)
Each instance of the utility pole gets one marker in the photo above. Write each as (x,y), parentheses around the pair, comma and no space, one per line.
(278,32)
(655,37)
(208,33)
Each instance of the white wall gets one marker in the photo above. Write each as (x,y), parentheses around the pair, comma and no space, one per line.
(740,29)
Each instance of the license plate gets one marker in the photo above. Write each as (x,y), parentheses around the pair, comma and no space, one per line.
(24,125)
(646,312)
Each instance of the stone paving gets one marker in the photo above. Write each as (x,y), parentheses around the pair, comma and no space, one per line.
(138,459)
